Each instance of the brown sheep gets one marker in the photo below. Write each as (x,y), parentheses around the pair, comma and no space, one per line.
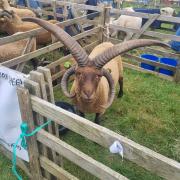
(14,49)
(4,5)
(92,92)
(12,23)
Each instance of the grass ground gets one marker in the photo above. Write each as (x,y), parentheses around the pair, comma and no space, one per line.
(148,113)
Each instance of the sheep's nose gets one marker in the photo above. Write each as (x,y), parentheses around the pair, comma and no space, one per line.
(88,94)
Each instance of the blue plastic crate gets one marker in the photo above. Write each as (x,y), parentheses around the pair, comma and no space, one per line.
(149,57)
(169,61)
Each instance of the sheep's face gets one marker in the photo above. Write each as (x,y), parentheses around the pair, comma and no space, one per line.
(6,16)
(167,11)
(87,79)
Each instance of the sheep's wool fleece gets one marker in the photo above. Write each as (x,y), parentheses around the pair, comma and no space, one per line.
(99,103)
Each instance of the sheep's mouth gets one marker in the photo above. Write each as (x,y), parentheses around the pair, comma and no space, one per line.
(86,100)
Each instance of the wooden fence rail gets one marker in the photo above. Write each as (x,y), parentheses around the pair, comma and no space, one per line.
(104,14)
(46,49)
(150,160)
(140,155)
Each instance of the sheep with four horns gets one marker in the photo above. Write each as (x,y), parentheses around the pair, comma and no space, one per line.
(12,23)
(96,75)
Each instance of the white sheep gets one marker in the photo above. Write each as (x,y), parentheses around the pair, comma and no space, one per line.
(126,22)
(167,11)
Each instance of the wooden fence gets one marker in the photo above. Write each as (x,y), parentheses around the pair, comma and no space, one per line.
(100,29)
(144,31)
(34,107)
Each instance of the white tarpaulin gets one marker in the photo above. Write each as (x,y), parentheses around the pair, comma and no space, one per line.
(10,117)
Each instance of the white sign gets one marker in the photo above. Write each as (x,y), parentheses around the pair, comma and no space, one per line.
(10,117)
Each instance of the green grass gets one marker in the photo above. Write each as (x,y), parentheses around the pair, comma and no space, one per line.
(148,113)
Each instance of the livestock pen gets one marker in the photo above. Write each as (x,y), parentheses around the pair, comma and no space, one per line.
(39,85)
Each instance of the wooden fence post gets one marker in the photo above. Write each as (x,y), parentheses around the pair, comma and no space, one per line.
(27,3)
(27,116)
(177,73)
(152,18)
(26,50)
(53,4)
(102,23)
(105,22)
(34,89)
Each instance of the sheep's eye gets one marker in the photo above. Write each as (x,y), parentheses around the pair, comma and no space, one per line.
(97,77)
(79,75)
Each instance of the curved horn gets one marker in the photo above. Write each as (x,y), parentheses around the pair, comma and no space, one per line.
(64,81)
(111,87)
(77,51)
(5,13)
(121,48)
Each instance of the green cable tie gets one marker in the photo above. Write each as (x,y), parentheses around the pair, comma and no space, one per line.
(67,64)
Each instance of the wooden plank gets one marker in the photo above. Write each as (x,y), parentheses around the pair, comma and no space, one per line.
(27,116)
(48,79)
(150,160)
(55,170)
(165,66)
(75,14)
(115,41)
(148,33)
(146,15)
(39,78)
(58,75)
(27,3)
(102,24)
(162,35)
(20,163)
(131,66)
(59,61)
(53,4)
(46,49)
(68,57)
(34,89)
(82,160)
(146,26)
(83,6)
(35,32)
(50,97)
(121,28)
(107,21)
(162,53)
(27,49)
(177,74)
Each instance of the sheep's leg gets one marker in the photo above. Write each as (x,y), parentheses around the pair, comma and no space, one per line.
(120,94)
(81,114)
(34,63)
(97,118)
